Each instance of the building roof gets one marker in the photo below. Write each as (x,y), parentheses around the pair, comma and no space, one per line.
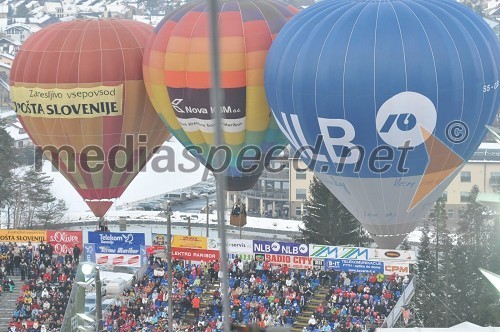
(16,131)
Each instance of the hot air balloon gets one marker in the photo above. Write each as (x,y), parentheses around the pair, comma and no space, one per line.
(389,99)
(78,90)
(177,76)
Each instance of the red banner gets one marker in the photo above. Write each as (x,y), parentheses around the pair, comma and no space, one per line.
(64,241)
(200,255)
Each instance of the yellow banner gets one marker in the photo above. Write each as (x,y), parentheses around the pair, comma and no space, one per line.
(74,103)
(14,235)
(193,242)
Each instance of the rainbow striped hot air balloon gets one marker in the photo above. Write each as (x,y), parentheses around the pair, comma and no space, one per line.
(178,81)
(78,90)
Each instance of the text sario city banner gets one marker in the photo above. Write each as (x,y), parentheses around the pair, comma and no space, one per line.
(117,238)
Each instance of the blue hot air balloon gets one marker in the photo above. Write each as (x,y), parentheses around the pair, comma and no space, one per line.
(386,100)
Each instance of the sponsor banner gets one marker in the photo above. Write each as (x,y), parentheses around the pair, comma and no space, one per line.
(64,241)
(242,256)
(401,269)
(74,103)
(193,242)
(354,265)
(122,249)
(393,255)
(155,249)
(89,252)
(159,239)
(23,236)
(337,252)
(296,262)
(199,255)
(116,239)
(234,246)
(144,256)
(280,248)
(318,264)
(118,260)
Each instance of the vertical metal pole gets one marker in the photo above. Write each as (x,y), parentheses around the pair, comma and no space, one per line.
(208,219)
(98,299)
(189,225)
(169,270)
(215,98)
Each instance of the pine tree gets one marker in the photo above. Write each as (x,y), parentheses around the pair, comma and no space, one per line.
(425,272)
(7,165)
(476,241)
(328,221)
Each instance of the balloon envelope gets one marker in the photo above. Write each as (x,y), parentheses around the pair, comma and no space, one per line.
(78,90)
(393,95)
(177,75)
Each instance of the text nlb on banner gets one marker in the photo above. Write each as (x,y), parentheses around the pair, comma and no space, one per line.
(354,265)
(280,248)
(234,246)
(198,255)
(63,242)
(116,238)
(22,236)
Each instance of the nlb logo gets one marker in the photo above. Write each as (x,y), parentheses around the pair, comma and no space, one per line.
(403,122)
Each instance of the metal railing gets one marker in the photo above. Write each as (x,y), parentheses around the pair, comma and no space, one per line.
(396,312)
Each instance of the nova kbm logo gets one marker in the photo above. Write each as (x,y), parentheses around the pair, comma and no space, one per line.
(303,248)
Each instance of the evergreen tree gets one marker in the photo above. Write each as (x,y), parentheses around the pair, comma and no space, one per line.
(477,239)
(425,271)
(7,165)
(328,221)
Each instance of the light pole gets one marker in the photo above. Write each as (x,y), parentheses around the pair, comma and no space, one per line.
(208,217)
(92,268)
(169,267)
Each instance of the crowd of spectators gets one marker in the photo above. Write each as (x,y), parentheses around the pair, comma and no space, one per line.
(356,301)
(261,294)
(45,289)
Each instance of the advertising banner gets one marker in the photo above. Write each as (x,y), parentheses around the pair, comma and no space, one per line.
(22,236)
(193,242)
(337,252)
(116,239)
(118,260)
(280,248)
(199,255)
(354,265)
(64,241)
(401,269)
(144,256)
(296,262)
(241,255)
(73,103)
(385,255)
(122,249)
(159,239)
(89,252)
(318,264)
(234,246)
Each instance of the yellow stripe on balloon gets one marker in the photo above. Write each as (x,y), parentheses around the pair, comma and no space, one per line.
(258,119)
